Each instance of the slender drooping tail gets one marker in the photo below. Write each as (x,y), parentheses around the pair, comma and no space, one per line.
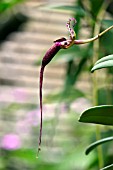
(40,94)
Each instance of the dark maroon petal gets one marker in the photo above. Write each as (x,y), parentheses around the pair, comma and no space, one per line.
(47,58)
(60,39)
(50,54)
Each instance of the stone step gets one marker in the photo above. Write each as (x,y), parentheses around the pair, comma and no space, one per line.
(22,47)
(18,58)
(45,14)
(31,71)
(46,28)
(9,94)
(32,82)
(35,38)
(26,59)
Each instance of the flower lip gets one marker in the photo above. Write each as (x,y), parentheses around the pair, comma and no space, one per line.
(60,39)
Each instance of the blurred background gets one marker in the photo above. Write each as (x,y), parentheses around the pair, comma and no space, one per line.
(27,29)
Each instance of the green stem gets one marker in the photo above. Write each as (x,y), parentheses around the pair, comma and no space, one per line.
(78,42)
(95,102)
(95,85)
(99,148)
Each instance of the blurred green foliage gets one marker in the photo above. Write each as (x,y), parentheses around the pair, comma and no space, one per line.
(10,21)
(5,4)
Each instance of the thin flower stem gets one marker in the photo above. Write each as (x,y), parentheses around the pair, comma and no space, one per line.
(71,42)
(94,38)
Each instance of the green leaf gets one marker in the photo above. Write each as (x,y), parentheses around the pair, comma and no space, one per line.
(95,144)
(105,64)
(68,95)
(95,7)
(98,115)
(105,96)
(109,167)
(106,41)
(107,58)
(107,23)
(75,9)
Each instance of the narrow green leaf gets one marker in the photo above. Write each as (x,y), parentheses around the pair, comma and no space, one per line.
(98,115)
(109,57)
(105,96)
(109,167)
(107,23)
(68,95)
(104,64)
(75,9)
(95,144)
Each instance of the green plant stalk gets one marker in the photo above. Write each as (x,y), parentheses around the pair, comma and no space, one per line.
(95,85)
(78,42)
(99,148)
(95,102)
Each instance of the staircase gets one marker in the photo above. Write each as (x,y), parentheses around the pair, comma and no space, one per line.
(23,49)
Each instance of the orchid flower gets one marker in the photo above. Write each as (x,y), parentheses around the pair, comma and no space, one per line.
(61,43)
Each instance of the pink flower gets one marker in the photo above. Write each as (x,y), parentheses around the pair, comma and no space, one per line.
(10,142)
